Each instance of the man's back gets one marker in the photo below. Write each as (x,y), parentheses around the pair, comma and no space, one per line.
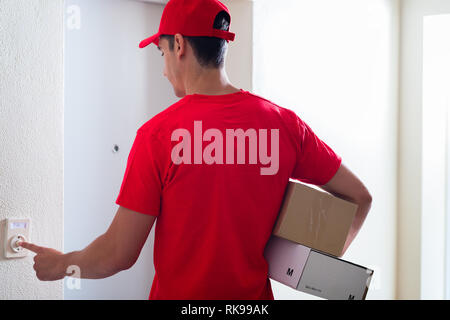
(214,170)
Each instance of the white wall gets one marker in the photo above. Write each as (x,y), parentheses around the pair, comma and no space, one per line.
(239,59)
(31,136)
(418,266)
(435,103)
(335,64)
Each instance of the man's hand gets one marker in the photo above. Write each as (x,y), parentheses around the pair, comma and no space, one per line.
(48,263)
(115,250)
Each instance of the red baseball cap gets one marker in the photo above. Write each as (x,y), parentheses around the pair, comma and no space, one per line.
(190,18)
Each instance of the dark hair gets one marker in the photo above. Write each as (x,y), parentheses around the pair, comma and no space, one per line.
(209,51)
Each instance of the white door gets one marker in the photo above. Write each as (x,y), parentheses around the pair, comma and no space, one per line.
(111,88)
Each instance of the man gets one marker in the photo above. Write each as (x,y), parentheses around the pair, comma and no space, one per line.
(202,168)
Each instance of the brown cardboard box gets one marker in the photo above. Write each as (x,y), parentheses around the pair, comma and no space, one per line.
(314,218)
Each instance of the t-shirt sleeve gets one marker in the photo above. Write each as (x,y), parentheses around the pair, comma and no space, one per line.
(142,184)
(316,162)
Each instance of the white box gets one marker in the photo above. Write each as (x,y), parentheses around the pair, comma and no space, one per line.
(314,272)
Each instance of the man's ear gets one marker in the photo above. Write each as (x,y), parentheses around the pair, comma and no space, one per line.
(179,44)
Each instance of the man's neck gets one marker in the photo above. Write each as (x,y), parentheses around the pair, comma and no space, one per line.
(210,82)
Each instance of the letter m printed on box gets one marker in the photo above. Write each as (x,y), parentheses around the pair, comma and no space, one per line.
(290,272)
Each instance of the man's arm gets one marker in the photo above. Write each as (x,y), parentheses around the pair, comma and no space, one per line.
(347,186)
(115,250)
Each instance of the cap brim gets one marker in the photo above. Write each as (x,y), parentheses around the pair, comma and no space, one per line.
(153,39)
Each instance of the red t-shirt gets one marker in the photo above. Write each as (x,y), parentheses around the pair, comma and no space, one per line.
(215,218)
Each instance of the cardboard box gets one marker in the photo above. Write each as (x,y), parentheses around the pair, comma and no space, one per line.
(315,273)
(314,218)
